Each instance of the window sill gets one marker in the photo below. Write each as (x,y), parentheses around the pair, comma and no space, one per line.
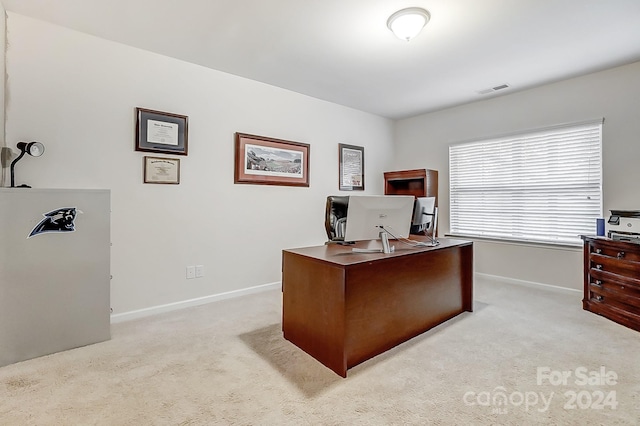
(553,246)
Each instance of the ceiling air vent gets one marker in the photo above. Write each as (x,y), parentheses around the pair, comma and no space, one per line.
(493,89)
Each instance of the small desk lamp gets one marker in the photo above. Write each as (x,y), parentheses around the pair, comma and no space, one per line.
(34,149)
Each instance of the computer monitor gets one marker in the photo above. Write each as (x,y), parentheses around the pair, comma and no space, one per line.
(423,214)
(368,215)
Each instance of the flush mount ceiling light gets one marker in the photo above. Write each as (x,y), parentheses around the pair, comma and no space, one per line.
(407,23)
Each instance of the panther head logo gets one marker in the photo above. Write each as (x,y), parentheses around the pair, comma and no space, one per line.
(59,220)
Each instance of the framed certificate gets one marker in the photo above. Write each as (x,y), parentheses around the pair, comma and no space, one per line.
(161,170)
(164,132)
(351,167)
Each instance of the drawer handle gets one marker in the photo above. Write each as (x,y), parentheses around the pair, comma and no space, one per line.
(620,255)
(599,298)
(598,266)
(598,283)
(598,251)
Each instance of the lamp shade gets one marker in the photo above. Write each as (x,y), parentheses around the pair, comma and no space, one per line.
(34,149)
(407,23)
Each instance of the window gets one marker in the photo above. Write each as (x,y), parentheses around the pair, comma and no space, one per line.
(544,186)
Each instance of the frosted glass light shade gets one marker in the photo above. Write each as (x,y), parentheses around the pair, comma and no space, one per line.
(407,23)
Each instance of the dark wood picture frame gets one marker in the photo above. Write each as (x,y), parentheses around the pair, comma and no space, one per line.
(351,167)
(261,160)
(162,132)
(161,170)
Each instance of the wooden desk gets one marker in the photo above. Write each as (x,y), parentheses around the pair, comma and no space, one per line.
(343,308)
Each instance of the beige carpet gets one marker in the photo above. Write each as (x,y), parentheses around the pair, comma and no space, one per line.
(227,363)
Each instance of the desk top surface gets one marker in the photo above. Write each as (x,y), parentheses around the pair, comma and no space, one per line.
(343,255)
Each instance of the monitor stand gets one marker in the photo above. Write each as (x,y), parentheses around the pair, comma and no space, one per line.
(433,240)
(386,247)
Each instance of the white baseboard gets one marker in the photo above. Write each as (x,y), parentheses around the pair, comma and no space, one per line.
(146,312)
(507,280)
(141,313)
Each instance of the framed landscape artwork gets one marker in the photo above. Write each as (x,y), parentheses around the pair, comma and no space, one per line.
(267,161)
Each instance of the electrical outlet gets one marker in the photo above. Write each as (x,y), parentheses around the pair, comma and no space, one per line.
(191,272)
(199,271)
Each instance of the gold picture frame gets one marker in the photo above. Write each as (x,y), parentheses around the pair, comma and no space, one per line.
(161,170)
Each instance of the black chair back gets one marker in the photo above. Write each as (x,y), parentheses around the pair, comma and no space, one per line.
(336,216)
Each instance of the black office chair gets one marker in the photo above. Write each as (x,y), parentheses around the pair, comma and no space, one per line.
(335,220)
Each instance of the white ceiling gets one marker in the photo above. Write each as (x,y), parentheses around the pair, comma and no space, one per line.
(341,50)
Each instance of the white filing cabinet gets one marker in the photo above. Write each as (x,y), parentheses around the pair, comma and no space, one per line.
(55,284)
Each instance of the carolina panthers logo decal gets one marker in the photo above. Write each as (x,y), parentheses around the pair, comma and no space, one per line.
(60,220)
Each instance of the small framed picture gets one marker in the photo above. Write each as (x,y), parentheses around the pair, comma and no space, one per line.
(267,161)
(351,167)
(163,132)
(161,170)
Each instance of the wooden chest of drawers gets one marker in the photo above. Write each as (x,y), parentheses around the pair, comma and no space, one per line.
(612,280)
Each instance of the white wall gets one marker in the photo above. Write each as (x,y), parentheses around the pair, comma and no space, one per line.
(613,94)
(77,94)
(3,41)
(4,172)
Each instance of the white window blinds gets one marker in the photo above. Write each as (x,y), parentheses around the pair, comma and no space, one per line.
(544,186)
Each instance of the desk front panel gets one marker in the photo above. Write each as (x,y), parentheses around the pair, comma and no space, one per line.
(389,302)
